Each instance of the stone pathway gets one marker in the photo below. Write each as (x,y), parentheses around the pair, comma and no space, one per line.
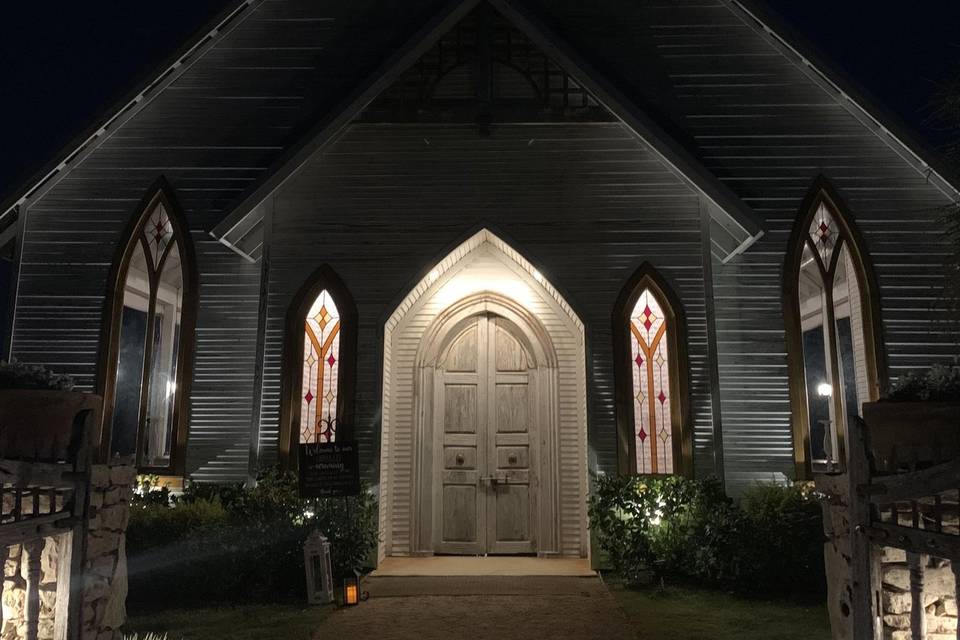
(477,608)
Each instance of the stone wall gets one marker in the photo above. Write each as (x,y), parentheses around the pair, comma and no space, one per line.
(104,565)
(939,597)
(15,591)
(892,571)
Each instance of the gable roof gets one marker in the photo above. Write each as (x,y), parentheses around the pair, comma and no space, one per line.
(873,114)
(227,103)
(310,112)
(735,224)
(125,108)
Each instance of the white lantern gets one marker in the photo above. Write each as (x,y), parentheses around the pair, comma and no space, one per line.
(316,559)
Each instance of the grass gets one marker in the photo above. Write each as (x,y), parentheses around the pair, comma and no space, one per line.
(671,613)
(681,613)
(247,622)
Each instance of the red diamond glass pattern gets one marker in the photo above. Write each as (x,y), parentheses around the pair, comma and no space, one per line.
(321,350)
(158,232)
(823,234)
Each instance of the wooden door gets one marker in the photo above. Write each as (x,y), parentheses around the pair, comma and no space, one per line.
(485,404)
(511,495)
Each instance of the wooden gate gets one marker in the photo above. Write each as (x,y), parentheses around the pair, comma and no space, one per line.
(908,502)
(44,482)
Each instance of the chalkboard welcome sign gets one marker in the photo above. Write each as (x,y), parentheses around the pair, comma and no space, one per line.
(329,469)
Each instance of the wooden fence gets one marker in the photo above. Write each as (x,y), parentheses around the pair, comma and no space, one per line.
(909,501)
(44,483)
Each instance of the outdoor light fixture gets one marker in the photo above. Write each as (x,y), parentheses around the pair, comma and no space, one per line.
(824,389)
(316,559)
(351,590)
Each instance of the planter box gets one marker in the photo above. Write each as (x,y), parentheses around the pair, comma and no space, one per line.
(37,424)
(905,435)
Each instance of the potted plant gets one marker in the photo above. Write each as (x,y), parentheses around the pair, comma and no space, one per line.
(918,423)
(38,409)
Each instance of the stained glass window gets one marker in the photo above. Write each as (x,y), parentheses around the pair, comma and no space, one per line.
(149,343)
(653,428)
(321,353)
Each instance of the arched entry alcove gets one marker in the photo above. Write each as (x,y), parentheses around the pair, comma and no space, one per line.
(484,445)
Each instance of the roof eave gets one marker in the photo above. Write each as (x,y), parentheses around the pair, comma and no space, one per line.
(124,109)
(881,121)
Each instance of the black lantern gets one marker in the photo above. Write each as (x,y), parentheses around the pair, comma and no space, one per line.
(351,590)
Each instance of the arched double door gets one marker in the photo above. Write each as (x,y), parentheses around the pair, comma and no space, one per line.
(486,423)
(487,410)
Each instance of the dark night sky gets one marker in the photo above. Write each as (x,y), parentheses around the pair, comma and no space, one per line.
(62,67)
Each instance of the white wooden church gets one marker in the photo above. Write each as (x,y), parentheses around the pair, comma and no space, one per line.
(501,245)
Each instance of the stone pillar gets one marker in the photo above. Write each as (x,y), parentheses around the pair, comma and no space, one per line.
(105,562)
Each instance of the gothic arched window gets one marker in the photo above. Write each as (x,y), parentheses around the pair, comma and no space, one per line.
(318,363)
(319,388)
(651,378)
(149,327)
(829,299)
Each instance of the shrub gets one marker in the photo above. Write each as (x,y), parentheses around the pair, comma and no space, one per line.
(938,383)
(671,527)
(17,375)
(227,543)
(784,550)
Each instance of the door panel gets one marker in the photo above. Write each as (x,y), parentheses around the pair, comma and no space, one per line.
(510,505)
(462,505)
(487,493)
(512,407)
(461,500)
(460,413)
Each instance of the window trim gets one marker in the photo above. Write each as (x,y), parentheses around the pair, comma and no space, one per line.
(646,276)
(823,192)
(160,192)
(291,379)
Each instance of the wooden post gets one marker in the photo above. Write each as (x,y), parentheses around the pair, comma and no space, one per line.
(83,456)
(861,583)
(33,549)
(61,616)
(955,567)
(6,555)
(918,617)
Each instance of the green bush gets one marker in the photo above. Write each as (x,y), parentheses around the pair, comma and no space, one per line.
(671,527)
(938,383)
(230,544)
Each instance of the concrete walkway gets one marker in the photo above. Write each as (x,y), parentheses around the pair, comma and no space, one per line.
(481,607)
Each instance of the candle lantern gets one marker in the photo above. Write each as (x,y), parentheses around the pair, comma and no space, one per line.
(351,590)
(316,559)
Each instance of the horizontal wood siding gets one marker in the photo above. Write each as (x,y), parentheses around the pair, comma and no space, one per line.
(586,204)
(767,129)
(69,243)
